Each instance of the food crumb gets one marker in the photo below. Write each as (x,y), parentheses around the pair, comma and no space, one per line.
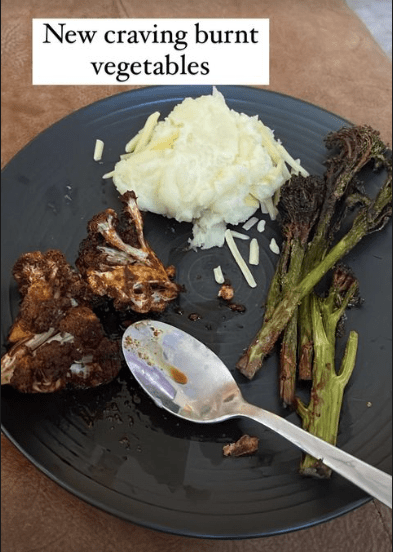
(226,292)
(244,446)
(236,307)
(194,316)
(369,403)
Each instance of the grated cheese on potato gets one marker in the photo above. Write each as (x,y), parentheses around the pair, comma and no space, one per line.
(206,164)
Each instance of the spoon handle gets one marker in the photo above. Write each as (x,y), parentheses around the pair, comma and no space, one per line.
(375,482)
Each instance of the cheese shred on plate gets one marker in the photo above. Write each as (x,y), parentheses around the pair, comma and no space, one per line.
(218,275)
(205,164)
(239,259)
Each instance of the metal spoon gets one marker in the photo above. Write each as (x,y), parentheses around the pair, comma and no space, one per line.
(186,378)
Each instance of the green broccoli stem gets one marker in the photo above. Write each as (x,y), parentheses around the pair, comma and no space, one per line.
(275,289)
(305,342)
(288,362)
(368,219)
(300,201)
(316,251)
(266,338)
(321,416)
(288,353)
(357,146)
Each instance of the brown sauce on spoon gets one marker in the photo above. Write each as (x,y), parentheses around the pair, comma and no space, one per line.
(177,375)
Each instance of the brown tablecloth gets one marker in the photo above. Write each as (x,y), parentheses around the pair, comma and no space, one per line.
(320,52)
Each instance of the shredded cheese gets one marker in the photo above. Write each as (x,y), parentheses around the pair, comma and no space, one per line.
(291,161)
(130,146)
(279,153)
(268,208)
(239,259)
(98,150)
(261,225)
(250,223)
(254,252)
(274,247)
(139,142)
(218,275)
(239,235)
(293,170)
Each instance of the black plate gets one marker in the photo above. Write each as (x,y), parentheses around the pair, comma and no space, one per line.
(112,446)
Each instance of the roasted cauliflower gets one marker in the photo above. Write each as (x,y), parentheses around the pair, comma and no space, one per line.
(117,263)
(56,339)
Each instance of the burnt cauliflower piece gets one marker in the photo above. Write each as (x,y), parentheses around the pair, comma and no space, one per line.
(56,338)
(116,262)
(242,447)
(48,286)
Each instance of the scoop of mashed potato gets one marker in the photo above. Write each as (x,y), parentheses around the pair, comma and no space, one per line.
(205,164)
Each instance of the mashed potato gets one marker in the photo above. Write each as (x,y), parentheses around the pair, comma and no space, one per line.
(204,164)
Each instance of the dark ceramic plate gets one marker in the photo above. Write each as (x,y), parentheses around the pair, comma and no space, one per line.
(112,446)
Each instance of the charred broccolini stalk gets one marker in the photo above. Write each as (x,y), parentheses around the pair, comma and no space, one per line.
(299,206)
(307,322)
(321,416)
(358,146)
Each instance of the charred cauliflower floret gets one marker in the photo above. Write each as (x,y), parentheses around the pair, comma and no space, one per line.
(56,338)
(48,286)
(116,262)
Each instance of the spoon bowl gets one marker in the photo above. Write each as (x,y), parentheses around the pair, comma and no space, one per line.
(186,378)
(180,373)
